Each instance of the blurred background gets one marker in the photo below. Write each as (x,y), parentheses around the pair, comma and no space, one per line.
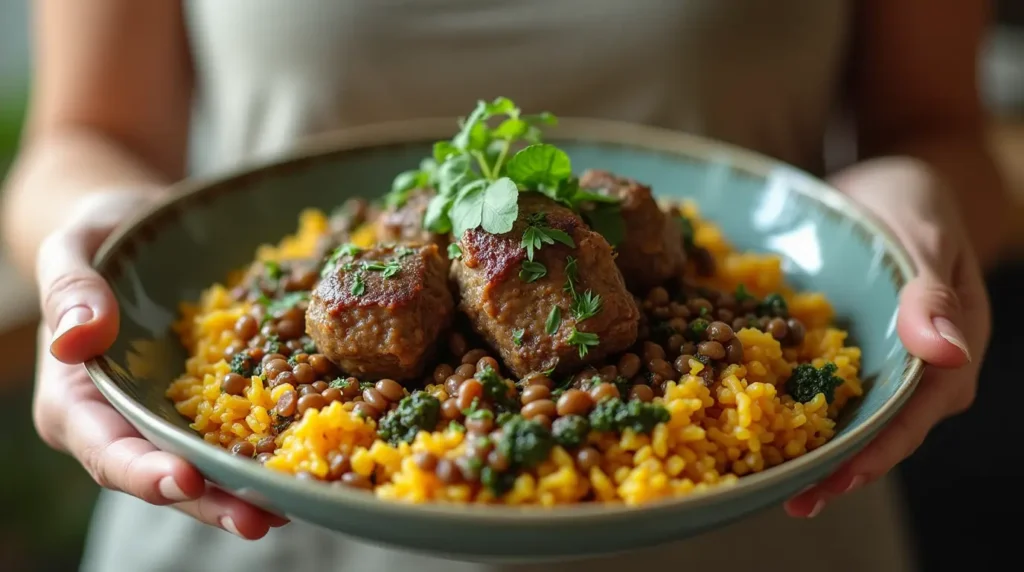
(959,485)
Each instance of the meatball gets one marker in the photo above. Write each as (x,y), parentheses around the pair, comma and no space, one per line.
(653,251)
(344,221)
(559,320)
(378,313)
(404,223)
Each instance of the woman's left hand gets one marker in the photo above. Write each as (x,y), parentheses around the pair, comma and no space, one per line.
(944,316)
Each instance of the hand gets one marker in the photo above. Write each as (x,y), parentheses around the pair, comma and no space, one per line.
(80,321)
(944,316)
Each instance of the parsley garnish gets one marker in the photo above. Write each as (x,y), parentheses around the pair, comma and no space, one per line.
(454,252)
(336,255)
(358,286)
(538,233)
(554,319)
(517,336)
(583,341)
(532,271)
(284,303)
(273,269)
(742,295)
(339,383)
(585,306)
(571,275)
(388,269)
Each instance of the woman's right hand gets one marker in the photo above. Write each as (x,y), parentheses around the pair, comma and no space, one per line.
(80,321)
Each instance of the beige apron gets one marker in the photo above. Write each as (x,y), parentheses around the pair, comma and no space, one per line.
(758,74)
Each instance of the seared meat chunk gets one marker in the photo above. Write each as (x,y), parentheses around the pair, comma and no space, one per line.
(378,313)
(344,221)
(404,224)
(540,314)
(652,252)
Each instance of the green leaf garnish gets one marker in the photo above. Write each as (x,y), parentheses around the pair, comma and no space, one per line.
(454,252)
(273,269)
(540,165)
(538,233)
(286,302)
(606,219)
(532,271)
(358,286)
(585,306)
(583,341)
(517,336)
(571,274)
(493,207)
(554,319)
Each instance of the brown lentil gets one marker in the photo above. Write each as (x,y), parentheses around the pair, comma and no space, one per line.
(320,385)
(485,362)
(374,398)
(629,365)
(304,373)
(682,363)
(719,332)
(351,387)
(452,384)
(447,472)
(442,372)
(479,424)
(574,402)
(355,480)
(425,461)
(642,393)
(262,458)
(390,389)
(285,406)
(332,394)
(364,409)
(777,328)
(653,351)
(473,356)
(603,391)
(457,344)
(311,401)
(796,332)
(234,384)
(734,351)
(661,367)
(321,365)
(713,350)
(243,449)
(337,465)
(538,379)
(470,390)
(275,367)
(497,461)
(587,458)
(450,409)
(696,305)
(306,390)
(246,327)
(535,392)
(466,370)
(539,407)
(266,445)
(543,420)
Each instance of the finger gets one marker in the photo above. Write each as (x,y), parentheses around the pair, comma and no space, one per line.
(929,322)
(118,458)
(78,305)
(220,509)
(929,405)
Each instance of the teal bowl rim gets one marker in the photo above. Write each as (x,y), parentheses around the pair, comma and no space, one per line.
(191,192)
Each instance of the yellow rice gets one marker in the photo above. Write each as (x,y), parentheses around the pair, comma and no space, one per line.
(715,435)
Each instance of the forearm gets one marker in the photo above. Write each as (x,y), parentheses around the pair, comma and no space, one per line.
(969,170)
(53,173)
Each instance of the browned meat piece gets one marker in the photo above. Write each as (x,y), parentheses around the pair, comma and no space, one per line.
(652,252)
(343,222)
(404,224)
(379,313)
(594,312)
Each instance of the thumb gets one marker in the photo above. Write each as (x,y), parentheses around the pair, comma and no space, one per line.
(77,304)
(929,322)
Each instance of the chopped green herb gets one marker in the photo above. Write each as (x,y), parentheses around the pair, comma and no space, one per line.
(504,417)
(571,274)
(285,303)
(309,347)
(807,381)
(517,336)
(358,286)
(242,364)
(417,412)
(404,251)
(454,425)
(773,305)
(273,345)
(583,341)
(704,311)
(613,414)
(364,385)
(498,482)
(742,295)
(339,383)
(538,233)
(570,431)
(454,252)
(280,423)
(525,443)
(585,306)
(606,220)
(496,389)
(273,269)
(695,330)
(553,321)
(532,271)
(387,269)
(686,226)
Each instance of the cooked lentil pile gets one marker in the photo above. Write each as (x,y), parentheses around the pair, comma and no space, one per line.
(530,360)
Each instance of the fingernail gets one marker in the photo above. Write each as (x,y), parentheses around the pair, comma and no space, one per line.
(72,318)
(818,506)
(951,334)
(228,524)
(170,490)
(855,484)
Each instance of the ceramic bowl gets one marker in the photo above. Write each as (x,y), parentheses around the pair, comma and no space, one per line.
(180,247)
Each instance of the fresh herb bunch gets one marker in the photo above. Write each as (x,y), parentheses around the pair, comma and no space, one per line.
(478,179)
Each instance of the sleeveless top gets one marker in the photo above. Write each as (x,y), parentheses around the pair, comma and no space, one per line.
(763,75)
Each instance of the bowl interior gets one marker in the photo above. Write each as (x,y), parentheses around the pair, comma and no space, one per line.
(182,248)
